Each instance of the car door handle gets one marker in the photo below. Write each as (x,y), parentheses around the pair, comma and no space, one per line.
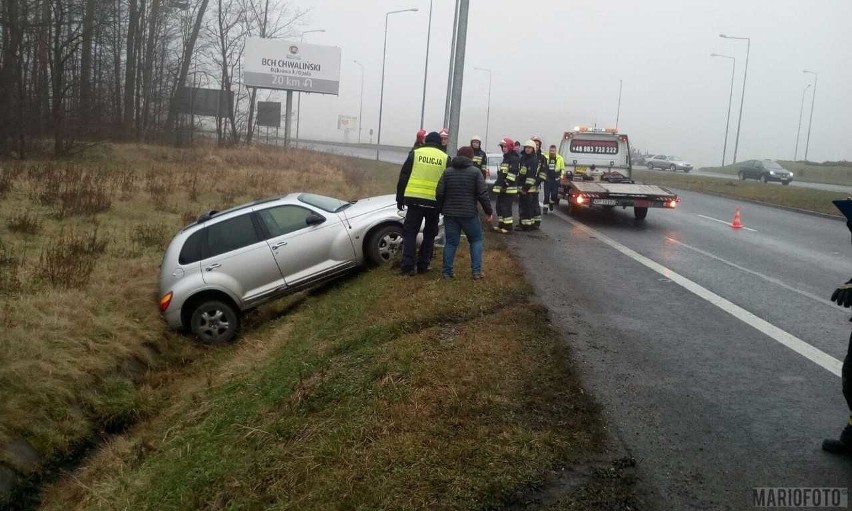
(213,266)
(279,245)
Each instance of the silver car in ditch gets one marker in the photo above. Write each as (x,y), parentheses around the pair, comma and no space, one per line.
(232,261)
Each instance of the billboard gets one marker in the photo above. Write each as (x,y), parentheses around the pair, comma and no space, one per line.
(269,114)
(199,101)
(290,65)
(347,122)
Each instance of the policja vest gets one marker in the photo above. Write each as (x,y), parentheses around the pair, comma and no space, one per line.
(429,164)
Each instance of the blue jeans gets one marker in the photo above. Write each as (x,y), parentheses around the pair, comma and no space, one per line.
(453,227)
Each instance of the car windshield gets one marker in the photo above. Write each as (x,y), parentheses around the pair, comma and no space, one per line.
(674,158)
(324,203)
(771,165)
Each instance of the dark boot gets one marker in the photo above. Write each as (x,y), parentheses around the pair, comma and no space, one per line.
(841,446)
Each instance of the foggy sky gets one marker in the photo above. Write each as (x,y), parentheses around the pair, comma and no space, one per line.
(557,64)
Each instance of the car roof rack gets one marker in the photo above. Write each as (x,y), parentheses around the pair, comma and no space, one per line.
(207,215)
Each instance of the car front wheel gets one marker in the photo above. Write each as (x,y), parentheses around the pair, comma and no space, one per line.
(672,168)
(215,322)
(763,179)
(384,244)
(785,183)
(741,175)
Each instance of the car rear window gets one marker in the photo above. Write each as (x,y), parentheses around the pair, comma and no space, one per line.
(191,250)
(231,234)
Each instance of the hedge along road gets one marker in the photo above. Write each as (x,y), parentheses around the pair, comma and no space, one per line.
(714,351)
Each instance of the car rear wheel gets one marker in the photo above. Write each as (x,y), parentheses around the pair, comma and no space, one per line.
(640,213)
(763,179)
(672,168)
(384,244)
(215,322)
(650,167)
(741,175)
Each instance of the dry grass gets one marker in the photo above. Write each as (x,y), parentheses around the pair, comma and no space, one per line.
(80,247)
(451,395)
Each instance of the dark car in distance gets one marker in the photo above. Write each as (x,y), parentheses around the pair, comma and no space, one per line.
(764,170)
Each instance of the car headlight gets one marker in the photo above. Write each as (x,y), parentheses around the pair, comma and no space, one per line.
(791,174)
(771,172)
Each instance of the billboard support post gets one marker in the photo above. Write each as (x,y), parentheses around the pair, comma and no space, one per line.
(287,119)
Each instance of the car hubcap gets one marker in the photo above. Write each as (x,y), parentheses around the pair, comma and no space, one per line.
(389,245)
(213,325)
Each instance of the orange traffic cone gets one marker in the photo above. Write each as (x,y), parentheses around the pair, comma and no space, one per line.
(737,223)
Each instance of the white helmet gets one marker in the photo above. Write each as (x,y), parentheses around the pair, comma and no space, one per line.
(476,138)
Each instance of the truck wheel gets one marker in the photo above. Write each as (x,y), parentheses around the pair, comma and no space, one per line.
(640,213)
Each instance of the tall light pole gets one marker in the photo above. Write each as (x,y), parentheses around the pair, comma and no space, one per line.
(382,93)
(488,108)
(799,129)
(618,112)
(813,100)
(426,66)
(730,100)
(452,66)
(742,97)
(299,101)
(458,77)
(361,108)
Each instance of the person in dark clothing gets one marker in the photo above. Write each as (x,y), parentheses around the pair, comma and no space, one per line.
(540,179)
(480,159)
(843,297)
(506,187)
(527,176)
(555,167)
(518,149)
(445,139)
(459,189)
(418,180)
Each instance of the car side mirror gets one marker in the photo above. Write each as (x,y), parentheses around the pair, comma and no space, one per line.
(314,219)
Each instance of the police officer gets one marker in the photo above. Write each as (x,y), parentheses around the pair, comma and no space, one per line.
(506,186)
(418,180)
(555,168)
(480,159)
(843,297)
(527,176)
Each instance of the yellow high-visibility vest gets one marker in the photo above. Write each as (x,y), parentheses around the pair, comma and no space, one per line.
(429,165)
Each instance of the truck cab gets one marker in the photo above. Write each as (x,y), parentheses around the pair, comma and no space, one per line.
(589,153)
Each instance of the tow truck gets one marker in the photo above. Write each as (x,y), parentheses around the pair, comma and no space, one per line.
(599,174)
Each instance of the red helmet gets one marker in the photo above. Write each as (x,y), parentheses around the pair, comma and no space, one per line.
(444,133)
(421,136)
(508,142)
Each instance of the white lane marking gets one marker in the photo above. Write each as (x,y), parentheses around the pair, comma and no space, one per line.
(767,278)
(804,349)
(726,223)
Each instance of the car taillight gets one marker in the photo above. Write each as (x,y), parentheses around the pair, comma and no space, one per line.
(672,203)
(580,199)
(165,301)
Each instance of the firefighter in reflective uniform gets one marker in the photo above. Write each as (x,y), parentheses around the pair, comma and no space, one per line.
(506,186)
(418,181)
(540,179)
(555,168)
(480,160)
(527,177)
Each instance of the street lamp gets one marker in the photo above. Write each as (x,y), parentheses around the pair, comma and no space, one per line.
(382,91)
(742,97)
(799,129)
(811,121)
(299,100)
(488,108)
(730,100)
(361,108)
(426,66)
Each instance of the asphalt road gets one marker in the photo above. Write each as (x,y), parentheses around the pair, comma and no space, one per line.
(800,184)
(708,402)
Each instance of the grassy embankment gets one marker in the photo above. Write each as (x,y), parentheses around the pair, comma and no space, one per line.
(373,392)
(802,171)
(769,193)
